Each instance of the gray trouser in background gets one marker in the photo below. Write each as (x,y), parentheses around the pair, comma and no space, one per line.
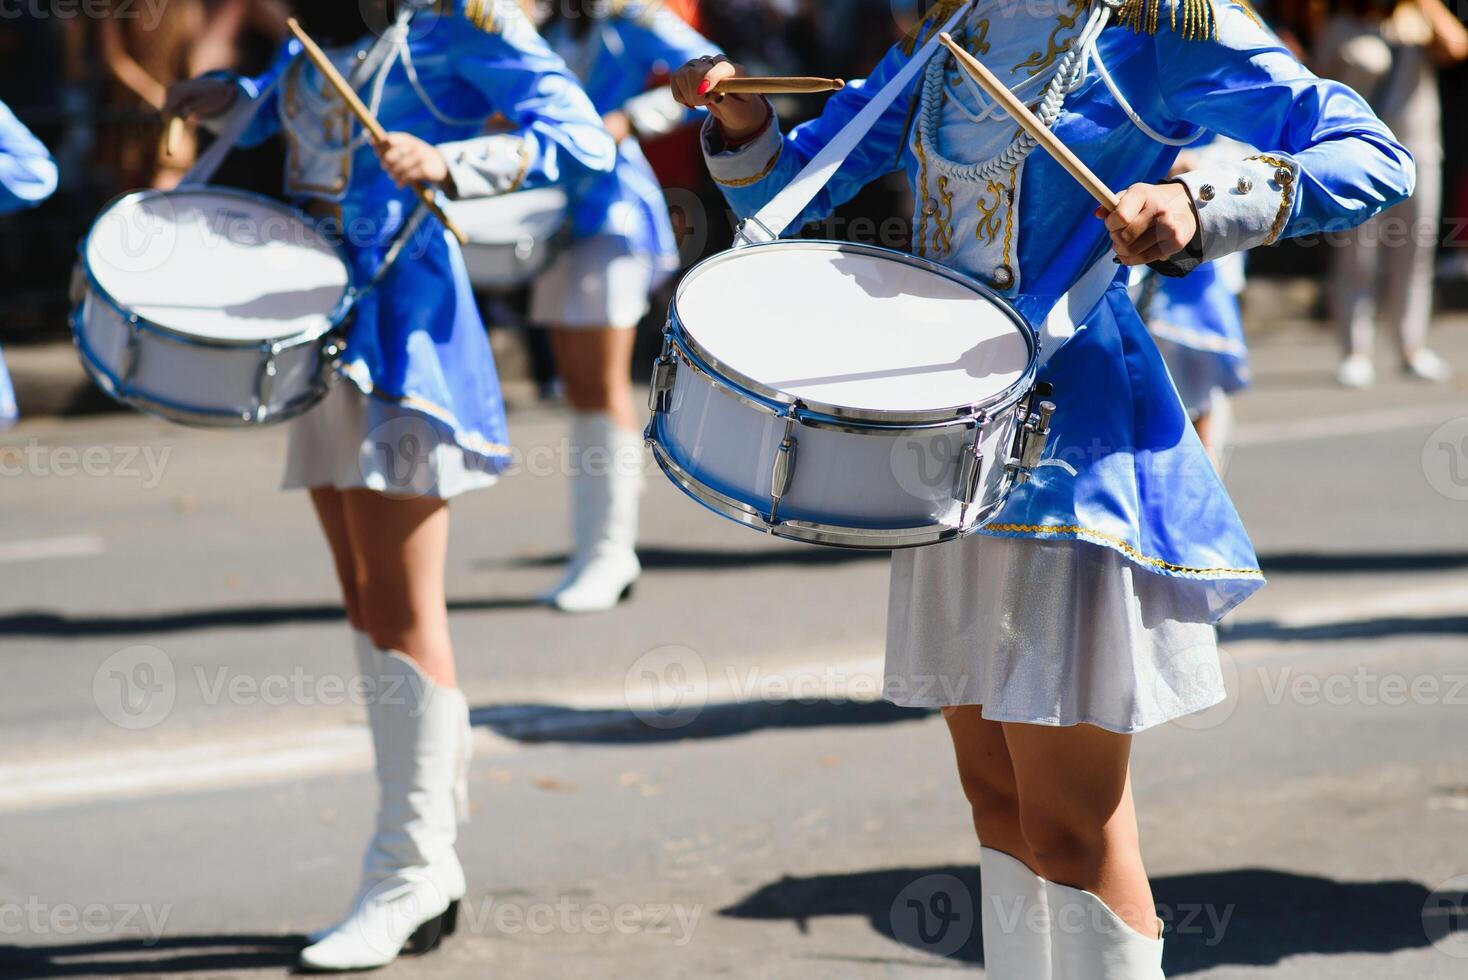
(1384,269)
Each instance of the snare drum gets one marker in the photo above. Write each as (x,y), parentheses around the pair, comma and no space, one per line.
(511,237)
(209,306)
(845,394)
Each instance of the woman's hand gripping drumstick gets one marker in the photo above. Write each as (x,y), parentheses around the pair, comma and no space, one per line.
(1147,222)
(407,159)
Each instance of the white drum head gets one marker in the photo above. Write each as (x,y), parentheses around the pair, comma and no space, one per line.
(216,265)
(852,328)
(511,218)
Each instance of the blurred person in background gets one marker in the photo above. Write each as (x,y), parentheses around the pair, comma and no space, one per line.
(1390,53)
(417,416)
(597,290)
(27,177)
(147,50)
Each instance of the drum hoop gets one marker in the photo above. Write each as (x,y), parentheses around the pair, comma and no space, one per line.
(333,319)
(1010,395)
(811,532)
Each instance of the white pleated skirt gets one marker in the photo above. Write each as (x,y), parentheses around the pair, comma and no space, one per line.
(1046,632)
(351,440)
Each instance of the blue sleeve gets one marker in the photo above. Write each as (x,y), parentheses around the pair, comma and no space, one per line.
(27,172)
(756,171)
(1324,160)
(558,134)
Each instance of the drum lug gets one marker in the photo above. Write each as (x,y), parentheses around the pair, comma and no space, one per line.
(264,382)
(782,473)
(131,354)
(970,469)
(664,373)
(1033,435)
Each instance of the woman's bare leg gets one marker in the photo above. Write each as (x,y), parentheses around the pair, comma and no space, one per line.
(988,781)
(401,545)
(331,513)
(1077,815)
(596,368)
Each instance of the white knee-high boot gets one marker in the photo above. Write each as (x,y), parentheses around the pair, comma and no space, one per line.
(1088,941)
(606,481)
(1016,918)
(412,880)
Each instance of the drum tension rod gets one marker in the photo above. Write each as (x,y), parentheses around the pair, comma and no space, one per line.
(782,473)
(664,371)
(970,468)
(1034,433)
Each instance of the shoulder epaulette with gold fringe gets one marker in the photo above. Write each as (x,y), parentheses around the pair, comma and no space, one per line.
(482,14)
(1192,20)
(641,11)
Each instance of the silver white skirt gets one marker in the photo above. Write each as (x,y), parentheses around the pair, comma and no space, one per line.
(351,440)
(1046,633)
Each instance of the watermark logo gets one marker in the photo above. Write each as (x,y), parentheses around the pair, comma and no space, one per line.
(1445,459)
(135,687)
(667,687)
(934,914)
(1445,917)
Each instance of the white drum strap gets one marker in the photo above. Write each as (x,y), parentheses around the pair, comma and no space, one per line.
(771,220)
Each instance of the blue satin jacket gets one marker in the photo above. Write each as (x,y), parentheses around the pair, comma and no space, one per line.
(1124,468)
(27,177)
(614,61)
(417,338)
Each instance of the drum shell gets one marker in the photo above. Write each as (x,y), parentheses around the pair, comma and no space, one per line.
(857,484)
(862,477)
(512,237)
(502,267)
(193,382)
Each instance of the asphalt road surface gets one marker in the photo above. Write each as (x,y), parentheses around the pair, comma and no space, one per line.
(702,782)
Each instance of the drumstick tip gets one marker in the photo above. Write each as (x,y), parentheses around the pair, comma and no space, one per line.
(837,84)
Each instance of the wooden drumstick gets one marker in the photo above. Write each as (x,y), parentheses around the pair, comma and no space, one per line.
(776,85)
(1007,100)
(369,122)
(174,132)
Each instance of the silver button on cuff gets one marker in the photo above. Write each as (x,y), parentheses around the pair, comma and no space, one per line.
(930,206)
(1003,277)
(1245,185)
(1284,176)
(1206,192)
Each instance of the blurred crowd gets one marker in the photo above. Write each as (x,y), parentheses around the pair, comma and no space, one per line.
(88,75)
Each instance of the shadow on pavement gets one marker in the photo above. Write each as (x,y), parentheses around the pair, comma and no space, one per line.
(548,723)
(150,957)
(1353,562)
(61,625)
(1357,629)
(1250,916)
(690,559)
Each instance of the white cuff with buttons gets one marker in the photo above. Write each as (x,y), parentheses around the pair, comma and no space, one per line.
(1243,204)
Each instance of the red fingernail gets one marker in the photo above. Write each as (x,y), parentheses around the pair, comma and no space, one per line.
(704,86)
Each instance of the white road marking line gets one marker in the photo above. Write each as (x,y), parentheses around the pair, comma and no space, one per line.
(74,546)
(1448,596)
(1336,426)
(225,763)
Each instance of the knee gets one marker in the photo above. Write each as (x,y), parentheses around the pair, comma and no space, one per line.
(1066,847)
(993,801)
